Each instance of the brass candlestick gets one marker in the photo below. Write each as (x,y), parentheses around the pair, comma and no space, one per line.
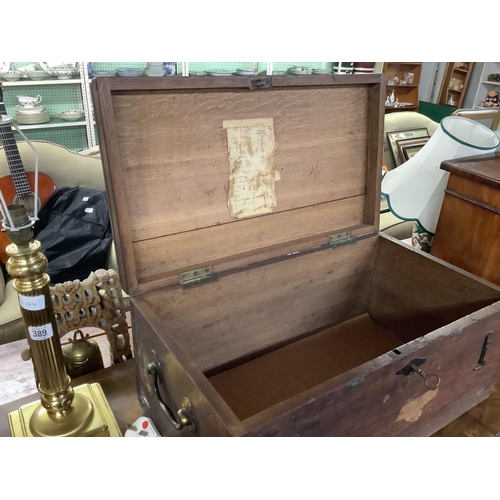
(63,411)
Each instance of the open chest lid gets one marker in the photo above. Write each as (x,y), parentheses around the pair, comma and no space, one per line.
(216,173)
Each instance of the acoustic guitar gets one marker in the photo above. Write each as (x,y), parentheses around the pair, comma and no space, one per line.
(19,186)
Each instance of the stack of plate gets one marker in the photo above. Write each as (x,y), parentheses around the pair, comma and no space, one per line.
(322,71)
(219,72)
(102,73)
(129,72)
(31,116)
(246,72)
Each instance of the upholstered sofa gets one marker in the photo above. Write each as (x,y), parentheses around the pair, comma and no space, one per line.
(65,168)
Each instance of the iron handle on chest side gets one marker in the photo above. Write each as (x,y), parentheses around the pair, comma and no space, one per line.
(184,414)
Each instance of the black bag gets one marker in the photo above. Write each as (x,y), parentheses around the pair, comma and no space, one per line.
(74,229)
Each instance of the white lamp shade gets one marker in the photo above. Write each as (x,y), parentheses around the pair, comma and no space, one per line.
(415,189)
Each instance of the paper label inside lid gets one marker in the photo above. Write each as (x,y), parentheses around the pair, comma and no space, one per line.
(251,148)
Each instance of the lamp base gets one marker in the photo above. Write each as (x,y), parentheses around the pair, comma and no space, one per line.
(91,417)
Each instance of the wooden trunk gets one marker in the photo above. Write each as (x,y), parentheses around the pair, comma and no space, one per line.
(245,212)
(468,230)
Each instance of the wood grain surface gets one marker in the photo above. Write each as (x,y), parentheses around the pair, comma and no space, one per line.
(413,293)
(252,310)
(165,158)
(468,230)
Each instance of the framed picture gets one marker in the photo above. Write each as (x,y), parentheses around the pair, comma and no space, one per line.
(408,148)
(400,135)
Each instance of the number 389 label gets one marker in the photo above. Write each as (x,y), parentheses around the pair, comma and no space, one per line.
(42,332)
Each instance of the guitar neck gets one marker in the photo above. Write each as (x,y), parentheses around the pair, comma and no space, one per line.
(14,161)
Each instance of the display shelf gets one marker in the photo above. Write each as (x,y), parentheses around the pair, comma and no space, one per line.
(54,123)
(455,76)
(403,93)
(57,95)
(46,81)
(486,85)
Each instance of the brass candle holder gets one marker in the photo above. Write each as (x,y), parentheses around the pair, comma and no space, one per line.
(63,411)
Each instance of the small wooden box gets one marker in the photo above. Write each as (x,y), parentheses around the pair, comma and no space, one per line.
(264,300)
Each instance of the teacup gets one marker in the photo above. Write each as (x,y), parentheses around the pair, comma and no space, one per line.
(29,102)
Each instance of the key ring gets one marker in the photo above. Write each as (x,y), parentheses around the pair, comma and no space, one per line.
(432,381)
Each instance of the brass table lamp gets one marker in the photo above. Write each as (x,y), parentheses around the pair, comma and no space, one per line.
(63,411)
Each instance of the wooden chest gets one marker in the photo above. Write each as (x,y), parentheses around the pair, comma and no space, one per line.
(468,230)
(264,300)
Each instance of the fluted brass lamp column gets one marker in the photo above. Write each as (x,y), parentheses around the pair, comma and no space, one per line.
(63,411)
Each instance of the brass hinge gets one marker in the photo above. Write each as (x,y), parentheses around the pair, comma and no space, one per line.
(197,277)
(341,239)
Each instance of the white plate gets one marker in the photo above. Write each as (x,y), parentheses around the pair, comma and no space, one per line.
(4,66)
(220,72)
(247,73)
(30,111)
(103,73)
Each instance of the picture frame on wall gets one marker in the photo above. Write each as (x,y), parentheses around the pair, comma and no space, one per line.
(400,135)
(408,148)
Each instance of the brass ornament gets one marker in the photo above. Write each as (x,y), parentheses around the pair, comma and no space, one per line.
(95,302)
(82,355)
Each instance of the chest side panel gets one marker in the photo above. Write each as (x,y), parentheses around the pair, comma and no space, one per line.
(374,400)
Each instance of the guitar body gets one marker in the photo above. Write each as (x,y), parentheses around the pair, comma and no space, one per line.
(46,188)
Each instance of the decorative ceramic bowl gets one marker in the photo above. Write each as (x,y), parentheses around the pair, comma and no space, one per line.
(64,72)
(11,76)
(71,115)
(37,75)
(154,72)
(28,67)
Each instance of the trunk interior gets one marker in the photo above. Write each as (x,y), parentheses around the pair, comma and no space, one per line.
(266,334)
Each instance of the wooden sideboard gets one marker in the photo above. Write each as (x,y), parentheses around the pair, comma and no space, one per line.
(468,230)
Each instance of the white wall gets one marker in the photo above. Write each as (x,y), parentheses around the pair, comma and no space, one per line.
(430,81)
